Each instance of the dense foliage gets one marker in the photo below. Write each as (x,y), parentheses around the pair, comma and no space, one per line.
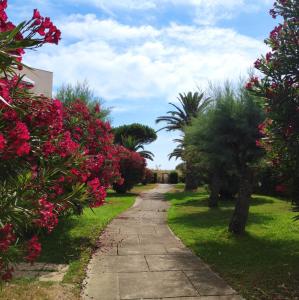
(54,159)
(148,177)
(132,169)
(173,177)
(279,90)
(222,143)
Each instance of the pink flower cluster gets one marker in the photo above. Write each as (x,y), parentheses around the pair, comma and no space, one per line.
(7,237)
(48,218)
(46,28)
(33,249)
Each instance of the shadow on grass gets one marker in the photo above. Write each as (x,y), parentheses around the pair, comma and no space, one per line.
(201,200)
(61,247)
(214,217)
(115,195)
(260,267)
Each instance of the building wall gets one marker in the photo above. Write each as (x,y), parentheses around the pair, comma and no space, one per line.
(43,81)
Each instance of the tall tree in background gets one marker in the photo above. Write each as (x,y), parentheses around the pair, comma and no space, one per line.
(192,105)
(141,133)
(68,93)
(279,89)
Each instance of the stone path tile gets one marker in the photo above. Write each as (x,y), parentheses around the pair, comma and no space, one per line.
(140,258)
(103,287)
(174,262)
(117,264)
(141,249)
(154,285)
(208,283)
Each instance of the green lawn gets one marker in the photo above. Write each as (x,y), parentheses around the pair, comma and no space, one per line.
(72,242)
(263,264)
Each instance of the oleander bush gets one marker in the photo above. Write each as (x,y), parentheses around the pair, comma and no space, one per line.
(54,159)
(132,170)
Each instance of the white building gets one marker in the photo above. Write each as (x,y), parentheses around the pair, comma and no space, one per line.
(41,80)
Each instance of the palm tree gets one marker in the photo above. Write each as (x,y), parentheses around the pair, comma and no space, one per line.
(130,143)
(192,105)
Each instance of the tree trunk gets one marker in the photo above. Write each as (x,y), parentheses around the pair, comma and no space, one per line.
(215,189)
(240,216)
(191,178)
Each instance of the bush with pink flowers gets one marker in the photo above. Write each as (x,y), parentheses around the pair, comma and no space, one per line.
(132,169)
(54,159)
(279,91)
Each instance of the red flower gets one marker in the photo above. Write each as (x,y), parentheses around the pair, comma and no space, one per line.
(48,218)
(48,148)
(248,85)
(41,30)
(262,128)
(23,149)
(20,132)
(10,115)
(2,142)
(7,237)
(34,248)
(36,14)
(7,274)
(258,143)
(98,191)
(3,16)
(3,4)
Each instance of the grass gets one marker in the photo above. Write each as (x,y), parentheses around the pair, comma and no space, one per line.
(72,243)
(262,264)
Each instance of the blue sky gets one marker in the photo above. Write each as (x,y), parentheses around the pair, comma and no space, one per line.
(139,54)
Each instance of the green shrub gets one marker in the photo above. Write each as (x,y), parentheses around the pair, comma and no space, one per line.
(173,177)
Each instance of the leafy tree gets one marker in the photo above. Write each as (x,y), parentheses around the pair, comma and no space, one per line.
(68,93)
(225,139)
(141,133)
(279,90)
(192,105)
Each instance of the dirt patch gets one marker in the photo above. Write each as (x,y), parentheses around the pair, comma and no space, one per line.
(38,291)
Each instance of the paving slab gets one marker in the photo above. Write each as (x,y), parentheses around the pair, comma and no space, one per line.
(117,264)
(208,283)
(142,249)
(139,257)
(174,262)
(103,287)
(155,285)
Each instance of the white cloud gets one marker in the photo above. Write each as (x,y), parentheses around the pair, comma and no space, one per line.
(131,62)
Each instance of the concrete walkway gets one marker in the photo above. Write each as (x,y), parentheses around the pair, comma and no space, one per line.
(140,258)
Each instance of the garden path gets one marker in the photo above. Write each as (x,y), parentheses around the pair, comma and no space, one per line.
(140,258)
